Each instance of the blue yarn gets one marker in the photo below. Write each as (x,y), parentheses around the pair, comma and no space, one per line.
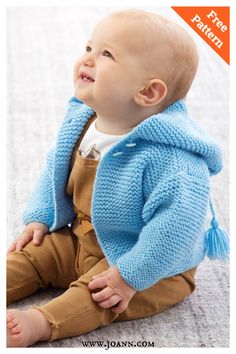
(216,240)
(150,194)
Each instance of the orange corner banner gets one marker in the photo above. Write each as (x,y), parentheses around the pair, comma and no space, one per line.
(211,23)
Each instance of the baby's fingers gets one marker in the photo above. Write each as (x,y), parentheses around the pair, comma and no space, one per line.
(12,248)
(120,307)
(112,301)
(25,238)
(99,275)
(37,237)
(100,282)
(103,295)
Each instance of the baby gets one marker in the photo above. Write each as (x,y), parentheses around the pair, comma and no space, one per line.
(116,218)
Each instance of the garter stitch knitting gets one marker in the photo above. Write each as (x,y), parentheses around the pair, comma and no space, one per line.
(150,196)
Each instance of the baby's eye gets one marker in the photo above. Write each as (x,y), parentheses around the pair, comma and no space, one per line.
(88,48)
(106,53)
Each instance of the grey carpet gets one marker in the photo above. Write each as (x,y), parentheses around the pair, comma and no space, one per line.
(42,44)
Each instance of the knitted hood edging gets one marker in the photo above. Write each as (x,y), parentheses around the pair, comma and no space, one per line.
(174,127)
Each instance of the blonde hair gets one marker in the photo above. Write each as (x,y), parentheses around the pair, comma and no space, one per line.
(176,54)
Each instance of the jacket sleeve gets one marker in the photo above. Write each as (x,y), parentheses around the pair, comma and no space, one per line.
(40,207)
(174,215)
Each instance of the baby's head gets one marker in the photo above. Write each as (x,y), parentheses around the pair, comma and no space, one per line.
(135,59)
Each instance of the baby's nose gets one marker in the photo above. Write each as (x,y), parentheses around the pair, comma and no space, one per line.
(89,60)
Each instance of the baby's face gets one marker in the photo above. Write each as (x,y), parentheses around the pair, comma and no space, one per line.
(113,68)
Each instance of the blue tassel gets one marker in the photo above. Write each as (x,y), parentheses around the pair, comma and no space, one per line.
(216,240)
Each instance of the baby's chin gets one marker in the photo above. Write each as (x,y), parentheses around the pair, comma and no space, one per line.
(80,96)
(84,99)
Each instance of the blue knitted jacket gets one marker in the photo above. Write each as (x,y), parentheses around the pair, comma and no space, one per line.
(150,195)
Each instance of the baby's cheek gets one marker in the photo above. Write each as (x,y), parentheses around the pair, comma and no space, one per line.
(76,69)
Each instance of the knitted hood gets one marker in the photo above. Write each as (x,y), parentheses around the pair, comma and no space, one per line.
(174,127)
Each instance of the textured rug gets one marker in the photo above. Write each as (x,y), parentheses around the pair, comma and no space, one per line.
(43,44)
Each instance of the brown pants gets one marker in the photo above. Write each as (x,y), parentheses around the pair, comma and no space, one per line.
(59,261)
(69,258)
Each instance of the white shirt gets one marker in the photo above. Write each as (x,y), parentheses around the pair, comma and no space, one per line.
(94,139)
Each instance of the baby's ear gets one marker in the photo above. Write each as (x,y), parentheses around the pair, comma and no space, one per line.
(152,94)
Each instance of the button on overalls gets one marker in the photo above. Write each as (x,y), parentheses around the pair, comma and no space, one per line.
(69,257)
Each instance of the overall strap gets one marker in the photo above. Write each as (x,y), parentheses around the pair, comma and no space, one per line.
(86,127)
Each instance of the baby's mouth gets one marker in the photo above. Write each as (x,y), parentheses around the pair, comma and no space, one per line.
(85,77)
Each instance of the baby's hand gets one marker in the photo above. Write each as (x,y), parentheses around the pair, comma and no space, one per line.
(115,291)
(34,231)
